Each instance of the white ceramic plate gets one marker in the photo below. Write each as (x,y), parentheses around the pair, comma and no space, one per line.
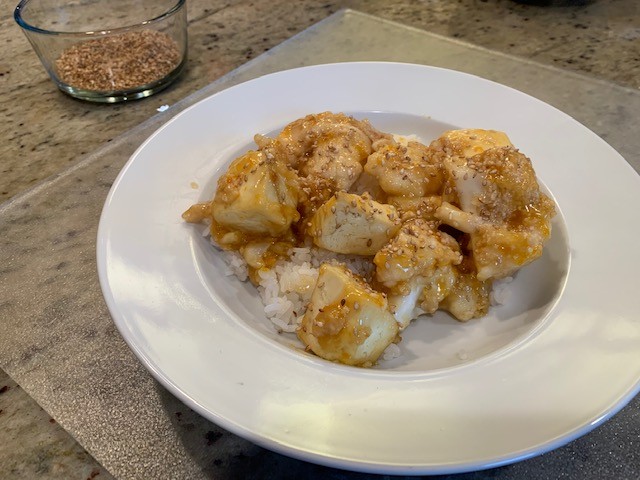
(558,359)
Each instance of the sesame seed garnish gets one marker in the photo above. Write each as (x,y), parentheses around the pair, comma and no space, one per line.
(119,62)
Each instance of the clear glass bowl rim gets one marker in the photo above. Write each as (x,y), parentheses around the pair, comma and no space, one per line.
(17,15)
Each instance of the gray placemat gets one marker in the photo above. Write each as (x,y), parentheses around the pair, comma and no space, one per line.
(58,340)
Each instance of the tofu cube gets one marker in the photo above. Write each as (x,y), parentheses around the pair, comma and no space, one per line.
(347,321)
(353,224)
(257,195)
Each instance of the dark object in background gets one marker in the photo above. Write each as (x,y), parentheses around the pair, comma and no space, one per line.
(555,3)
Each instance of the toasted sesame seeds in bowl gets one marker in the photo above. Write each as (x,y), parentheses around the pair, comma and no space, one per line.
(107,51)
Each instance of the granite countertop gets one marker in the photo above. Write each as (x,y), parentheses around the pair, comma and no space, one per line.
(46,132)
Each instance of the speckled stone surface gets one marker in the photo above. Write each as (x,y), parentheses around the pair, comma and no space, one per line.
(590,36)
(34,445)
(44,131)
(56,346)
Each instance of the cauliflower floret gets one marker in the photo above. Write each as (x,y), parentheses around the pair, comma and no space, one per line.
(468,297)
(466,143)
(406,170)
(328,146)
(347,321)
(356,224)
(502,209)
(421,207)
(416,266)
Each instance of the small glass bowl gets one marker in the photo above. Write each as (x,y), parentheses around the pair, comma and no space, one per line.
(107,50)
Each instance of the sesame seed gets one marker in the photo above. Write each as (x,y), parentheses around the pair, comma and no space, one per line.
(119,62)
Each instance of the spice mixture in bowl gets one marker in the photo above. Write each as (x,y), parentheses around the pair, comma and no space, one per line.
(107,51)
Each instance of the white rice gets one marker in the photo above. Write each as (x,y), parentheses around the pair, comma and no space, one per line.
(285,290)
(391,352)
(501,291)
(236,266)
